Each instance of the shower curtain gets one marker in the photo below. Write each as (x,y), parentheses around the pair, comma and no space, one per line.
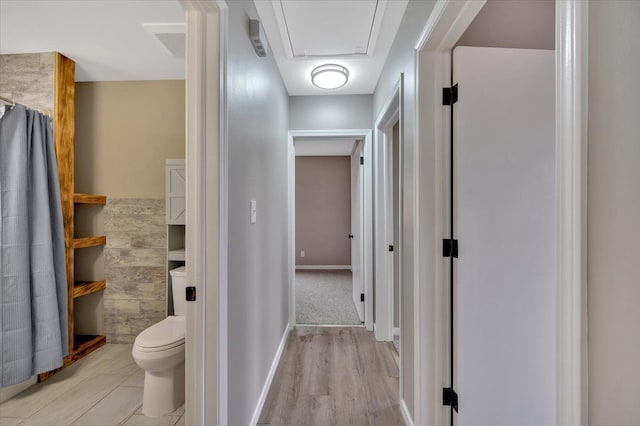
(33,290)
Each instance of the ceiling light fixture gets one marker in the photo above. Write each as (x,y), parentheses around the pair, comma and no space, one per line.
(329,76)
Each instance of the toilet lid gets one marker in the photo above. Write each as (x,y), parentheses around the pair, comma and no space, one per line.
(166,334)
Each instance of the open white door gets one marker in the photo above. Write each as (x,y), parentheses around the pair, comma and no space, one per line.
(357,228)
(504,192)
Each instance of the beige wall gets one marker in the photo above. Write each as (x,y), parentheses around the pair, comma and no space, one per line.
(124,132)
(523,24)
(614,213)
(323,210)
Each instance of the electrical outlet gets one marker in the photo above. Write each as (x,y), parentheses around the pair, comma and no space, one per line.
(302,253)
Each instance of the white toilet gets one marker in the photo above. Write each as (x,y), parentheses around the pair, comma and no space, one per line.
(159,350)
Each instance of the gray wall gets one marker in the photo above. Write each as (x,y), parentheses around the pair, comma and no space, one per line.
(402,60)
(523,24)
(323,210)
(614,213)
(258,267)
(330,112)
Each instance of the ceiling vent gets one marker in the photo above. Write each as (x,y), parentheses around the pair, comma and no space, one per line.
(171,35)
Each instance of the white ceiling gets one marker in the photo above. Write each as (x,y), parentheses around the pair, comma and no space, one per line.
(323,147)
(356,34)
(105,38)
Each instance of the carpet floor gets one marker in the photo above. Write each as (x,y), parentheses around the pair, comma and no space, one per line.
(325,297)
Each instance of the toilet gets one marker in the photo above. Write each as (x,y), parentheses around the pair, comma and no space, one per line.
(159,350)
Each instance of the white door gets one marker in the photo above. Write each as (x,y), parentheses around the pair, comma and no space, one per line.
(357,229)
(504,192)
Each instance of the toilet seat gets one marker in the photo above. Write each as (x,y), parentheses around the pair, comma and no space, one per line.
(164,335)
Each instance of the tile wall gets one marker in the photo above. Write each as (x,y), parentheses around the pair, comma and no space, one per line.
(135,262)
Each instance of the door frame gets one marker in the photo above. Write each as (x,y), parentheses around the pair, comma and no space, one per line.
(207,212)
(391,113)
(445,25)
(366,136)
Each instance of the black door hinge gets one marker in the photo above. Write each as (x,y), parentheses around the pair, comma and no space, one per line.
(351,236)
(390,248)
(450,248)
(450,398)
(361,160)
(450,95)
(191,294)
(362,297)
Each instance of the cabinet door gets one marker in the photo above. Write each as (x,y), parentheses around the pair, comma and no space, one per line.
(175,193)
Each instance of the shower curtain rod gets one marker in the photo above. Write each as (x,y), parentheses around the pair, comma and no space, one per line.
(46,112)
(7,100)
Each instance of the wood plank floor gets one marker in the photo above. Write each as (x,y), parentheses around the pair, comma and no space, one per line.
(334,376)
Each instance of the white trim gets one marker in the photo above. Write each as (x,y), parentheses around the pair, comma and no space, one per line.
(448,20)
(572,20)
(396,331)
(383,225)
(405,413)
(323,267)
(206,211)
(367,136)
(223,227)
(331,325)
(270,376)
(8,392)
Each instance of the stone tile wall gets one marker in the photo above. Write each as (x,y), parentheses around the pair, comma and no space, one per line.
(28,79)
(135,263)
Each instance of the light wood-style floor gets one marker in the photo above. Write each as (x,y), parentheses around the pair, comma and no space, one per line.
(103,389)
(334,376)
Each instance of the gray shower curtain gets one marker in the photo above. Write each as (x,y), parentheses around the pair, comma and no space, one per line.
(33,291)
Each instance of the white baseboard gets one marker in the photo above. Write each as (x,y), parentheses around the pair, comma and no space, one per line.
(272,373)
(323,267)
(9,392)
(396,331)
(405,413)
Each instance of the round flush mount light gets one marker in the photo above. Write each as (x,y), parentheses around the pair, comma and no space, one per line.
(329,76)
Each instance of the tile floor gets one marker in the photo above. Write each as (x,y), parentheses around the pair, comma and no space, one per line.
(103,389)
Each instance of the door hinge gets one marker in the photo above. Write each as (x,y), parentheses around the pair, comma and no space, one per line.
(362,297)
(450,95)
(450,398)
(361,160)
(390,248)
(351,236)
(450,248)
(190,294)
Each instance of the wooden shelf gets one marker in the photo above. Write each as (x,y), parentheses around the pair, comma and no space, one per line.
(176,255)
(83,346)
(82,288)
(89,199)
(89,242)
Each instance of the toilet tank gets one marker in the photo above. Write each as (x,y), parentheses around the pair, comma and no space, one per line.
(178,284)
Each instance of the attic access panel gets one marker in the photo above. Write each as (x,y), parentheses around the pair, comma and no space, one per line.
(329,28)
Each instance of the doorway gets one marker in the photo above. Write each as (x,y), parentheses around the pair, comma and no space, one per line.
(312,277)
(325,212)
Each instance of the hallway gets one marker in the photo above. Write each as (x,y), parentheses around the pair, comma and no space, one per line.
(334,376)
